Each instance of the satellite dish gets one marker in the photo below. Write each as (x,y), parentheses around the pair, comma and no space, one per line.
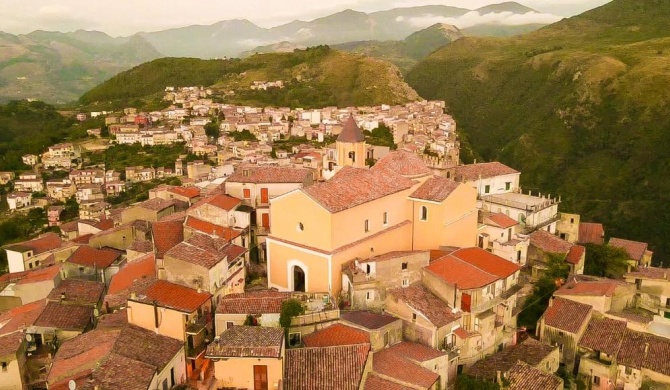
(29,337)
(72,384)
(96,312)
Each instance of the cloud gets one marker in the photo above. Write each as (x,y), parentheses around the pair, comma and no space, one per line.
(474,18)
(54,10)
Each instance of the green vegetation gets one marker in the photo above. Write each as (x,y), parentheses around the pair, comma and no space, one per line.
(605,260)
(20,227)
(381,136)
(244,135)
(537,302)
(290,309)
(316,77)
(466,382)
(118,157)
(580,107)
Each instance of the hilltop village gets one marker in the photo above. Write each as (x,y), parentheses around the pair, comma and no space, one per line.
(338,248)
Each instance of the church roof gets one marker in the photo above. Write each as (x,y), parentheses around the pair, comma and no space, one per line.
(351,133)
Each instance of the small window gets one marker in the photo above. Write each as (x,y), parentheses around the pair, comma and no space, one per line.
(294,339)
(629,370)
(572,220)
(367,225)
(487,189)
(300,227)
(386,338)
(405,282)
(4,366)
(37,263)
(560,334)
(229,324)
(413,317)
(367,269)
(508,185)
(560,348)
(30,265)
(386,218)
(596,380)
(424,213)
(370,295)
(404,266)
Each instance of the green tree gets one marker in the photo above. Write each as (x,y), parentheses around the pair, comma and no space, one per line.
(244,135)
(537,302)
(290,308)
(466,382)
(71,210)
(212,129)
(605,260)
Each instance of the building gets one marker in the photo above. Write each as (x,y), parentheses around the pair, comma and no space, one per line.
(383,330)
(639,254)
(351,147)
(18,200)
(544,246)
(21,288)
(499,234)
(490,178)
(30,254)
(341,367)
(87,263)
(591,233)
(563,324)
(13,360)
(248,357)
(263,306)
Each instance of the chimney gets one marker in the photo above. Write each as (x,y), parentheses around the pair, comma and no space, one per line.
(133,295)
(646,349)
(62,296)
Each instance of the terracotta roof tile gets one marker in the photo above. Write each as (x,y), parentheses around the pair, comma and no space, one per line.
(487,261)
(44,243)
(650,273)
(548,242)
(524,377)
(248,341)
(261,174)
(392,255)
(367,319)
(20,317)
(485,170)
(567,315)
(79,292)
(416,352)
(83,240)
(221,201)
(32,276)
(375,382)
(575,254)
(631,352)
(91,257)
(137,269)
(591,233)
(104,224)
(658,357)
(156,204)
(166,235)
(78,356)
(424,302)
(339,367)
(635,249)
(65,317)
(206,251)
(597,288)
(603,335)
(120,298)
(403,163)
(435,189)
(351,187)
(460,273)
(351,133)
(392,363)
(115,320)
(529,351)
(174,296)
(189,192)
(500,220)
(336,334)
(141,246)
(120,372)
(147,346)
(258,302)
(10,344)
(211,229)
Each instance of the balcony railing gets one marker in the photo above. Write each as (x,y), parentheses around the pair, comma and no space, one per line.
(504,201)
(546,222)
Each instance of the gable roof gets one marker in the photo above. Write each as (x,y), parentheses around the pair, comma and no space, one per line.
(340,367)
(484,170)
(351,187)
(375,382)
(649,273)
(205,251)
(336,334)
(212,229)
(500,220)
(120,372)
(391,362)
(529,351)
(75,291)
(252,302)
(366,319)
(423,301)
(635,249)
(524,377)
(10,344)
(403,163)
(591,233)
(596,288)
(173,296)
(31,276)
(91,257)
(575,254)
(435,189)
(248,341)
(567,315)
(221,201)
(351,133)
(21,317)
(143,267)
(147,346)
(459,273)
(189,192)
(603,334)
(65,317)
(269,174)
(548,242)
(43,243)
(167,234)
(486,261)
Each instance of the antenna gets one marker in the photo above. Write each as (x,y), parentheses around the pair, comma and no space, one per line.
(72,385)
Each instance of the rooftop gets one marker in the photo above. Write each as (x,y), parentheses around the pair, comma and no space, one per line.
(120,372)
(248,341)
(258,302)
(91,257)
(375,382)
(10,344)
(65,317)
(486,261)
(457,272)
(591,233)
(351,187)
(575,254)
(524,377)
(404,163)
(167,234)
(549,243)
(212,229)
(206,251)
(424,302)
(483,170)
(156,204)
(339,367)
(393,363)
(650,273)
(268,174)
(367,320)
(392,255)
(567,315)
(220,201)
(435,189)
(500,220)
(144,266)
(20,317)
(173,296)
(603,335)
(635,249)
(32,276)
(80,292)
(44,243)
(336,334)
(529,351)
(351,133)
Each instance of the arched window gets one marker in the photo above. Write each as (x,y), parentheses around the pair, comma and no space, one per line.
(424,213)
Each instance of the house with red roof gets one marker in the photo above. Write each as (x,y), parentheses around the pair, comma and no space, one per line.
(500,234)
(563,324)
(383,330)
(29,254)
(263,306)
(188,195)
(489,178)
(13,361)
(544,244)
(415,366)
(604,295)
(591,233)
(639,254)
(208,263)
(338,367)
(89,263)
(178,312)
(484,288)
(21,288)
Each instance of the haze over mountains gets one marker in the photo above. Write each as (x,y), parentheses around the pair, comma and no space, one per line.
(58,67)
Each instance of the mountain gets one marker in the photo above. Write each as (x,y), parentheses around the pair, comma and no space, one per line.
(580,107)
(59,67)
(508,6)
(406,53)
(316,77)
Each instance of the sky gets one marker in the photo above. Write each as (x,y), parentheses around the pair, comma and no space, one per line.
(126,17)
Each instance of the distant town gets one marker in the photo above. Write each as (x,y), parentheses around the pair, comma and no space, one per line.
(334,248)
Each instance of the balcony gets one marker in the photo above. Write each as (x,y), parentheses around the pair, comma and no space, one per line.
(262,231)
(544,223)
(199,325)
